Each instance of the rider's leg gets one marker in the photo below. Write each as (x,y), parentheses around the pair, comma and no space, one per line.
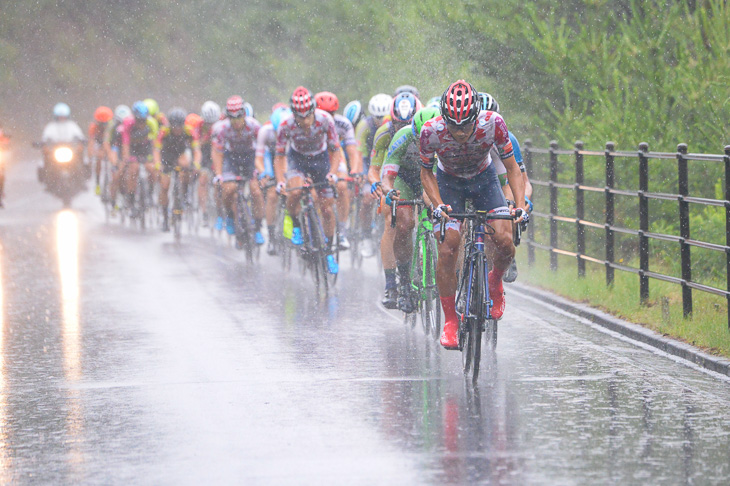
(203,180)
(270,210)
(402,243)
(164,189)
(131,176)
(257,202)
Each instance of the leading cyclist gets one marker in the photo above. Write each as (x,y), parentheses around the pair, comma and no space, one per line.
(462,138)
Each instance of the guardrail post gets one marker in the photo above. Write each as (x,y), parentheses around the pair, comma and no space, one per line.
(580,209)
(553,205)
(610,178)
(643,221)
(684,233)
(531,223)
(727,225)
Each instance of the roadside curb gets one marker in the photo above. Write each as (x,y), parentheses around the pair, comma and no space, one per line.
(631,330)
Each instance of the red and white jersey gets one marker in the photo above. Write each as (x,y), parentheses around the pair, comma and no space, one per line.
(321,136)
(266,140)
(228,139)
(467,159)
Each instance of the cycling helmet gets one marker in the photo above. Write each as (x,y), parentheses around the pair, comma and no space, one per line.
(460,103)
(278,105)
(121,112)
(193,120)
(379,105)
(103,114)
(421,117)
(152,106)
(353,112)
(234,107)
(279,115)
(434,102)
(210,112)
(61,110)
(488,103)
(140,110)
(404,106)
(327,101)
(176,117)
(302,103)
(406,88)
(248,109)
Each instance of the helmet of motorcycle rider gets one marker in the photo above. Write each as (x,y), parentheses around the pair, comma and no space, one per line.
(61,110)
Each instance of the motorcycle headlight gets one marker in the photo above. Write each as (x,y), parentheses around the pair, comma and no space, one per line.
(63,155)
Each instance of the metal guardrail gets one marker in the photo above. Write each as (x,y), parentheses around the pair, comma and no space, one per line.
(682,198)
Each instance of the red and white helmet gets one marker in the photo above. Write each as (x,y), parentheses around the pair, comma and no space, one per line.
(460,103)
(302,103)
(234,107)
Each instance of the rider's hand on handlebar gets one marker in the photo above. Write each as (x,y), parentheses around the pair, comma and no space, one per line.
(523,215)
(217,179)
(375,190)
(442,211)
(281,187)
(332,177)
(392,195)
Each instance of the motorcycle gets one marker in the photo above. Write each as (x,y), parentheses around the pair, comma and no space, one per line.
(63,172)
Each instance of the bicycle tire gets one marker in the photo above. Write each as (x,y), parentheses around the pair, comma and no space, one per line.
(176,217)
(243,230)
(478,301)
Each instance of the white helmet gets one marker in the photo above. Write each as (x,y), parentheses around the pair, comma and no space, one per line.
(210,112)
(121,112)
(379,105)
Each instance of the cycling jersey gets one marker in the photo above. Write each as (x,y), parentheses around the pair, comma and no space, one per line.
(205,138)
(403,161)
(172,145)
(113,135)
(470,158)
(97,131)
(383,137)
(227,139)
(345,130)
(365,135)
(499,165)
(139,136)
(319,138)
(266,140)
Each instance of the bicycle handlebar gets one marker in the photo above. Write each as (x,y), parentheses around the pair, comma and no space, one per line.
(400,202)
(483,217)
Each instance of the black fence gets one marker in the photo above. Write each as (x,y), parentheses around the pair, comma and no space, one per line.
(683,199)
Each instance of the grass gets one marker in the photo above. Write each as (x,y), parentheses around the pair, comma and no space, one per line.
(706,329)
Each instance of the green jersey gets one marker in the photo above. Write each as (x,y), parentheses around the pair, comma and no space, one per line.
(403,160)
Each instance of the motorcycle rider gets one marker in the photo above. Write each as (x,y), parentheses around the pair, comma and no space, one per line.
(61,130)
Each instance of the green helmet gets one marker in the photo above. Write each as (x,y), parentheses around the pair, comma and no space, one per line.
(152,106)
(421,117)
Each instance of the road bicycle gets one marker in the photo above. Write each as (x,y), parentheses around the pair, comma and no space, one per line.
(244,222)
(422,287)
(315,248)
(473,301)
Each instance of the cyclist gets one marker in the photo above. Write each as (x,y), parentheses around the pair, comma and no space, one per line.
(173,141)
(401,179)
(210,113)
(378,107)
(313,152)
(402,109)
(138,135)
(328,102)
(234,151)
(461,138)
(95,149)
(490,104)
(113,148)
(265,148)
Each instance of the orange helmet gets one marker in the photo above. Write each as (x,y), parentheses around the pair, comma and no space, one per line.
(327,101)
(193,120)
(103,114)
(278,105)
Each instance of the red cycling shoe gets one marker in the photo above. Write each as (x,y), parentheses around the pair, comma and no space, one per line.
(496,292)
(450,335)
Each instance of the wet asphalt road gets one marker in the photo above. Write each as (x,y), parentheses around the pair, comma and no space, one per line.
(129,359)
